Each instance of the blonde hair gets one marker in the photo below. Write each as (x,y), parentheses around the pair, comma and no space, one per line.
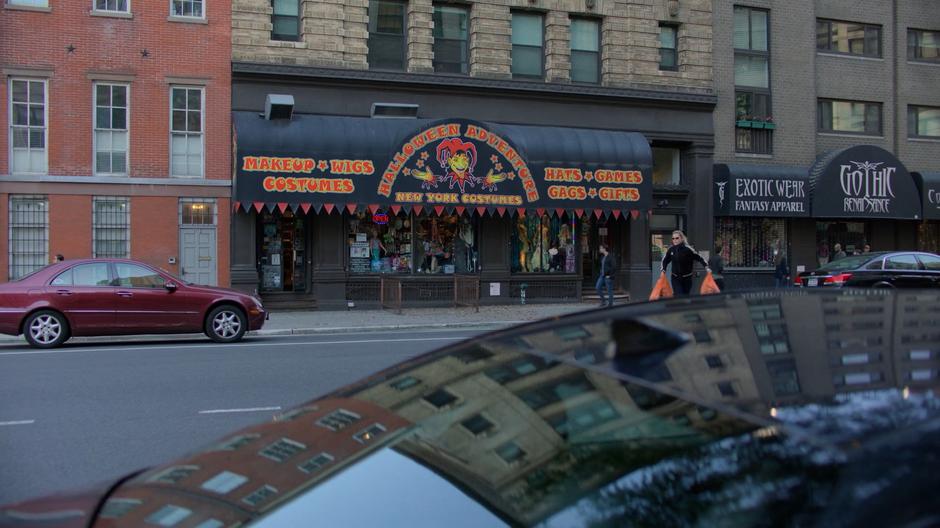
(683,237)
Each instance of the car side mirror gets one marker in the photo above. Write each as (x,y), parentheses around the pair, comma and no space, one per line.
(170,286)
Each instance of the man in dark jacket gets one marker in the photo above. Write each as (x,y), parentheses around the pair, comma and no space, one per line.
(606,276)
(683,257)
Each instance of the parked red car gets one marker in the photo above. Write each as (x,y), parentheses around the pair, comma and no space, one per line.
(94,297)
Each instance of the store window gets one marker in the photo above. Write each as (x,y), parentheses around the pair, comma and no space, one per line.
(850,237)
(750,242)
(445,244)
(928,237)
(543,244)
(379,243)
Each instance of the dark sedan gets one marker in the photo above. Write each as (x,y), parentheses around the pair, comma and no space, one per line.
(899,269)
(95,297)
(772,408)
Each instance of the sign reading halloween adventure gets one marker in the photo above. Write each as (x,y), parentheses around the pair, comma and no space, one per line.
(447,163)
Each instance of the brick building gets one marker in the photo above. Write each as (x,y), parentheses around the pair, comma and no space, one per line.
(561,85)
(800,84)
(117,138)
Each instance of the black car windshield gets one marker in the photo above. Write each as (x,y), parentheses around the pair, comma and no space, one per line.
(847,263)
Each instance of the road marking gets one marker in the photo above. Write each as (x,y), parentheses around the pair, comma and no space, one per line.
(216,345)
(18,422)
(250,409)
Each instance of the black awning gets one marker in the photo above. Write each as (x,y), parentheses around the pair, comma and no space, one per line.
(761,190)
(863,182)
(451,163)
(928,183)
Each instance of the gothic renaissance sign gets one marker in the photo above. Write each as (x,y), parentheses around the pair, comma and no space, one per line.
(451,163)
(863,182)
(753,190)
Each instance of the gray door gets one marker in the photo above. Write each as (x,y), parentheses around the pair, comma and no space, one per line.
(198,250)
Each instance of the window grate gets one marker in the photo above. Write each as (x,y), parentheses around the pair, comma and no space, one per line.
(111,219)
(29,234)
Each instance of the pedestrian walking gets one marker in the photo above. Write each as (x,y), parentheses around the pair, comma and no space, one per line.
(683,257)
(606,276)
(717,263)
(781,269)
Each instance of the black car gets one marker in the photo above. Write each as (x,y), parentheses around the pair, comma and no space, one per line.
(772,408)
(898,269)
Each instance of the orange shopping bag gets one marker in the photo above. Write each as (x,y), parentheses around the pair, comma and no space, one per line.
(662,289)
(709,285)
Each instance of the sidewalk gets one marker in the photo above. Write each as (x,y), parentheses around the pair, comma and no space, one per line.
(358,320)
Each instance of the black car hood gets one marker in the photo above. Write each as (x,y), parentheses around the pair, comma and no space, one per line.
(723,409)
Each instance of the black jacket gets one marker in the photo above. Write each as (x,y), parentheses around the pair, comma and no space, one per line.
(611,268)
(682,258)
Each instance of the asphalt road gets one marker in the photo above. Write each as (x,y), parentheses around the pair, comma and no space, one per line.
(81,414)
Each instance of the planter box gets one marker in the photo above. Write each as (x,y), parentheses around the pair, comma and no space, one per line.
(743,124)
(757,124)
(770,126)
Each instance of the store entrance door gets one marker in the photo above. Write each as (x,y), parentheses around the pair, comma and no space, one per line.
(594,232)
(661,228)
(283,251)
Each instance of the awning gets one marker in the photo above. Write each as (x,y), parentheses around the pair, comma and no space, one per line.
(928,183)
(863,182)
(450,164)
(761,190)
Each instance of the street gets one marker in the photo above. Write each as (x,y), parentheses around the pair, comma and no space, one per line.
(85,413)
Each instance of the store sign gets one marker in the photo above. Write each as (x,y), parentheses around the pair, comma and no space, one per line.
(928,183)
(744,190)
(863,182)
(454,163)
(380,218)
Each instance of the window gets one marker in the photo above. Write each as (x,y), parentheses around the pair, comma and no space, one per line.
(29,234)
(451,27)
(282,450)
(31,3)
(338,419)
(749,242)
(405,383)
(197,211)
(445,244)
(930,262)
(168,515)
(237,442)
(726,388)
(848,37)
(368,434)
(117,508)
(923,45)
(134,276)
(210,523)
(582,418)
(224,482)
(556,391)
(477,424)
(260,495)
(188,8)
(752,81)
(665,166)
(585,50)
(714,362)
(28,126)
(923,121)
(379,242)
(174,475)
(510,452)
(527,56)
(543,244)
(84,275)
(316,463)
(849,116)
(902,262)
(784,377)
(114,6)
(518,368)
(702,336)
(387,34)
(186,132)
(111,227)
(285,20)
(111,129)
(668,47)
(440,398)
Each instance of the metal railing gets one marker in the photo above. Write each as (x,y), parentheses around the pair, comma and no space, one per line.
(537,289)
(467,291)
(456,290)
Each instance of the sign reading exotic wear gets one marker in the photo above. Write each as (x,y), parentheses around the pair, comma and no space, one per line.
(863,182)
(753,190)
(446,163)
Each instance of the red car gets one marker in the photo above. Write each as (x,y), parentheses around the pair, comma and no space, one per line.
(94,297)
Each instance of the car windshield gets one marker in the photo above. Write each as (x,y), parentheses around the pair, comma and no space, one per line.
(847,263)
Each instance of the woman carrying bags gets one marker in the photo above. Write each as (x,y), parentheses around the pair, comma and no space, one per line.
(682,256)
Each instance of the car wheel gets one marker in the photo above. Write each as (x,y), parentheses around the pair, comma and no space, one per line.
(226,324)
(46,329)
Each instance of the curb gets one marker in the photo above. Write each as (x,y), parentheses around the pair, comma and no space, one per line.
(278,332)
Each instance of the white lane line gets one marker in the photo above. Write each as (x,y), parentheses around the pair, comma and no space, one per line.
(212,345)
(18,422)
(250,409)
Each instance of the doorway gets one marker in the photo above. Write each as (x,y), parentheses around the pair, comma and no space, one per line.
(197,236)
(661,228)
(594,232)
(282,251)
